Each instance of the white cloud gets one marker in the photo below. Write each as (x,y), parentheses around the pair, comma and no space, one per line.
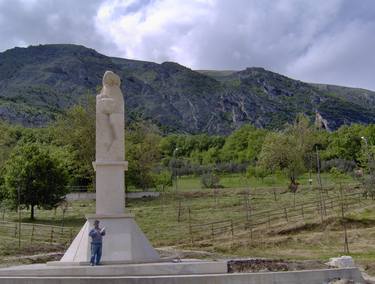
(215,34)
(343,57)
(159,31)
(313,40)
(27,22)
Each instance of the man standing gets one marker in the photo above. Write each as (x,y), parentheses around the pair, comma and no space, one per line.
(96,235)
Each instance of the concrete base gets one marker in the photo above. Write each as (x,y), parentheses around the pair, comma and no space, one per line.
(162,275)
(145,269)
(124,242)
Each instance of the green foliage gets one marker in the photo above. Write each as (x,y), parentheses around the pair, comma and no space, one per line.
(7,142)
(162,180)
(75,131)
(143,154)
(71,142)
(345,143)
(243,145)
(210,180)
(288,150)
(37,175)
(257,172)
(336,173)
(201,149)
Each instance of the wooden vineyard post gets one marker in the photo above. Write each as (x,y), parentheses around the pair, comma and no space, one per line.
(286,214)
(269,220)
(51,239)
(302,212)
(251,230)
(179,212)
(320,209)
(32,233)
(247,202)
(190,228)
(212,232)
(15,230)
(346,243)
(342,202)
(319,182)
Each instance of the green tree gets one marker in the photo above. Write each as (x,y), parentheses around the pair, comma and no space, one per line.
(199,149)
(345,143)
(75,130)
(210,180)
(243,145)
(162,180)
(143,154)
(257,172)
(36,175)
(288,150)
(8,140)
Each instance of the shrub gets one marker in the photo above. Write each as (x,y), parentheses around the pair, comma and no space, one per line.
(210,180)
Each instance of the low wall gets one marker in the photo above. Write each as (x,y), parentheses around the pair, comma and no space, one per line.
(73,196)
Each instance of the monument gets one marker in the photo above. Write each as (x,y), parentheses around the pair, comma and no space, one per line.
(124,241)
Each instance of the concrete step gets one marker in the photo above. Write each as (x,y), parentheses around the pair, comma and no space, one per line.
(162,268)
(94,276)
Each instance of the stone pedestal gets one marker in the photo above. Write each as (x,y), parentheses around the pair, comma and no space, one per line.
(124,242)
(110,191)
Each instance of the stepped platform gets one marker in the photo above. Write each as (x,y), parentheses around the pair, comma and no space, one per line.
(185,272)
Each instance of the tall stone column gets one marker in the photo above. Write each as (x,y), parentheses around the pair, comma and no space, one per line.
(124,242)
(110,164)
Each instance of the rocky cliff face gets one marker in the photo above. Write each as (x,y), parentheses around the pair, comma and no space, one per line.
(38,82)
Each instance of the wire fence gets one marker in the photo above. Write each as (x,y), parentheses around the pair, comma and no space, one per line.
(38,233)
(263,222)
(196,222)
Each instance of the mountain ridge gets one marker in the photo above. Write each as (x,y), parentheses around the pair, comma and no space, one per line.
(39,82)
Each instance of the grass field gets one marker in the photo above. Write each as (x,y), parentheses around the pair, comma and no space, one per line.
(173,218)
(191,183)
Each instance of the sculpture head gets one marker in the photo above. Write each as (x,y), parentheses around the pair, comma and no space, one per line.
(111,79)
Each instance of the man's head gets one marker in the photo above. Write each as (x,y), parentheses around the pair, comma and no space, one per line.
(96,223)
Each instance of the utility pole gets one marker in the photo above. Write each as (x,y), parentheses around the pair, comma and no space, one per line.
(175,169)
(320,183)
(19,216)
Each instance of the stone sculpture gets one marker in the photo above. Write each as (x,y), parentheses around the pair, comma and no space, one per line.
(110,120)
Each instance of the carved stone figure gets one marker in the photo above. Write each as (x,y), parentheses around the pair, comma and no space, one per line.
(110,120)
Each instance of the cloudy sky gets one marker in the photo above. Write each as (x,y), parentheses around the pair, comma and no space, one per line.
(328,41)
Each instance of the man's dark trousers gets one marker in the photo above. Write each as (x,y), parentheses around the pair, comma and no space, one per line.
(96,253)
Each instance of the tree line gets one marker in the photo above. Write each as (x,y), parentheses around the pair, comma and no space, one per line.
(37,164)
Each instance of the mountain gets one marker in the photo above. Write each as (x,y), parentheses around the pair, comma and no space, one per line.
(39,82)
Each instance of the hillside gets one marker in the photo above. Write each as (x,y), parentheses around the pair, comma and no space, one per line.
(38,82)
